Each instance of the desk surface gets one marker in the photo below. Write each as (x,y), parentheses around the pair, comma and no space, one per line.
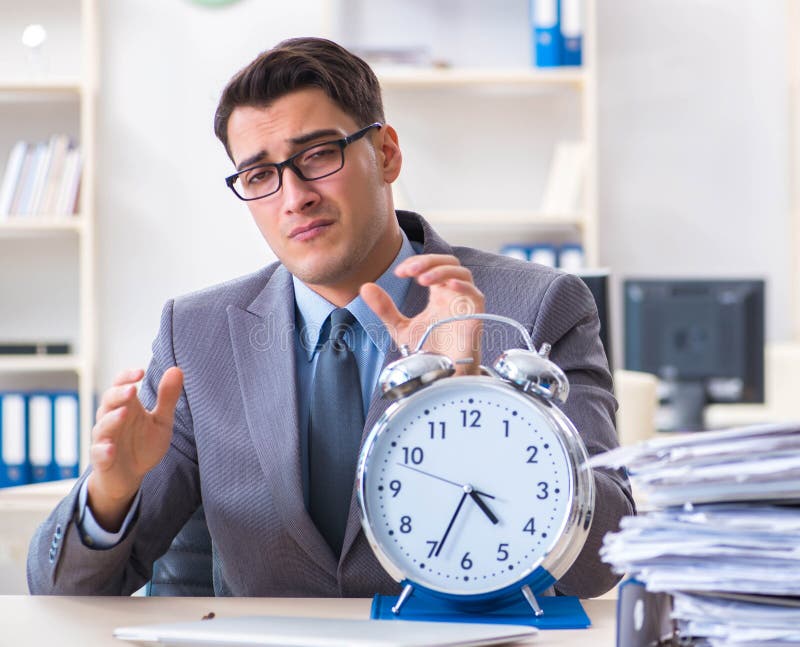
(80,621)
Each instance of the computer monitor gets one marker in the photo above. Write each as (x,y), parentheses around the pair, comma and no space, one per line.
(597,282)
(703,338)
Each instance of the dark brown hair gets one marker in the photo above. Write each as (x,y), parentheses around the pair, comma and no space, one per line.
(299,63)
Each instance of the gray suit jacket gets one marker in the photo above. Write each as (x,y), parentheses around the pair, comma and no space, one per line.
(235,444)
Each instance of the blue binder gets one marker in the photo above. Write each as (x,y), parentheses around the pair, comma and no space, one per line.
(571,32)
(66,434)
(13,457)
(53,435)
(545,24)
(40,437)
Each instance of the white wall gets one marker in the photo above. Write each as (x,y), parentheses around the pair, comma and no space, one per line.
(167,222)
(692,125)
(693,143)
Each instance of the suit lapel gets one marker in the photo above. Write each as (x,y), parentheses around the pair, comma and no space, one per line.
(263,340)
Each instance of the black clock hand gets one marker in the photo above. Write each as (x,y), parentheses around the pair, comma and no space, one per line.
(475,494)
(450,525)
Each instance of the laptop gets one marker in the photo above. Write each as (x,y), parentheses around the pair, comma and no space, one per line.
(323,632)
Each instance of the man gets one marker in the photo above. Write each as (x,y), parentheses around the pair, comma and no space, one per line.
(228,413)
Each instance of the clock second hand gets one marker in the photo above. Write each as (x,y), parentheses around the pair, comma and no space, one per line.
(474,494)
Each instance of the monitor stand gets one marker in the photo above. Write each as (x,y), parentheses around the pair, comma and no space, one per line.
(682,406)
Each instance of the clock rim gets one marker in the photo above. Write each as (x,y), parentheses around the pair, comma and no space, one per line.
(574,528)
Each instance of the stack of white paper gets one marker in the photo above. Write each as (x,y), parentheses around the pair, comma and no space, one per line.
(721,532)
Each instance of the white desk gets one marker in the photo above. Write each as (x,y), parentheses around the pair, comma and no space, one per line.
(33,621)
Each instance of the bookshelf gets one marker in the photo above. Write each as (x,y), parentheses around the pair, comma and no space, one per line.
(49,268)
(486,100)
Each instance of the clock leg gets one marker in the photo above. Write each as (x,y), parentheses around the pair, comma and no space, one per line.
(408,589)
(531,598)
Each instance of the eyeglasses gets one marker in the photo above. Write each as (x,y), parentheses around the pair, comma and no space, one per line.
(312,163)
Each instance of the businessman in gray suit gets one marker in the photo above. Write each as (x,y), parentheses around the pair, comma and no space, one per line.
(223,413)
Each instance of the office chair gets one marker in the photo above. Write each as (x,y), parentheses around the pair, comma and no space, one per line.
(186,568)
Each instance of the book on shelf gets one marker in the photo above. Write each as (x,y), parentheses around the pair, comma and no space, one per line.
(69,189)
(22,196)
(563,193)
(41,179)
(59,146)
(11,176)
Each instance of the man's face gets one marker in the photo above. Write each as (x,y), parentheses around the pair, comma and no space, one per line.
(334,233)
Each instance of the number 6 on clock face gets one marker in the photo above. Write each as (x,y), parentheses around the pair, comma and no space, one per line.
(468,487)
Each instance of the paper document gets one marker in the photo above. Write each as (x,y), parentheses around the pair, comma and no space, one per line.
(721,532)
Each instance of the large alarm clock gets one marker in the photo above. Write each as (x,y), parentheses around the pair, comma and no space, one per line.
(475,489)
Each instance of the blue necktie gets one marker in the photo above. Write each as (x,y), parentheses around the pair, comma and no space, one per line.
(334,435)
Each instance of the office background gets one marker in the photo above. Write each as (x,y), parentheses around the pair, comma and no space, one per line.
(697,154)
(693,132)
(693,155)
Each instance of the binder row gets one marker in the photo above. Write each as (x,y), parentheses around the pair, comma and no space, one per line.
(39,437)
(557,27)
(41,179)
(569,257)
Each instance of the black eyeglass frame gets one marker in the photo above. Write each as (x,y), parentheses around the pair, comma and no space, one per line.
(289,163)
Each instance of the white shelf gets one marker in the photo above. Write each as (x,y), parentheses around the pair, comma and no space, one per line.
(40,363)
(568,100)
(19,226)
(69,86)
(494,219)
(35,497)
(409,77)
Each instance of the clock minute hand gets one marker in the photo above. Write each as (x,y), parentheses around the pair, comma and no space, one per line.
(450,525)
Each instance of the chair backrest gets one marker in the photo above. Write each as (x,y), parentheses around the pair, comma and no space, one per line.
(186,568)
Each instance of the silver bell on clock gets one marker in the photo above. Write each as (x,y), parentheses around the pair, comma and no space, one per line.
(474,489)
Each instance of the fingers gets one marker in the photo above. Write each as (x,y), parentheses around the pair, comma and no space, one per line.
(114,398)
(421,263)
(436,270)
(102,455)
(443,273)
(169,390)
(382,305)
(105,429)
(129,376)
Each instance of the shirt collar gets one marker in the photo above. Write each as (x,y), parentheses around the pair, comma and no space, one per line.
(312,310)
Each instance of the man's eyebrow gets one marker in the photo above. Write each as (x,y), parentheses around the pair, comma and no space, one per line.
(314,134)
(296,141)
(249,161)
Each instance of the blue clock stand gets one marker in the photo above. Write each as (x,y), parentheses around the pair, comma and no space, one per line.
(545,612)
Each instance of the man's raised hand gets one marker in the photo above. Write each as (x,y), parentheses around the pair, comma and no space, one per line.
(127,442)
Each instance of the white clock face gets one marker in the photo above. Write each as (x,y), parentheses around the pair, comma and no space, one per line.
(467,486)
